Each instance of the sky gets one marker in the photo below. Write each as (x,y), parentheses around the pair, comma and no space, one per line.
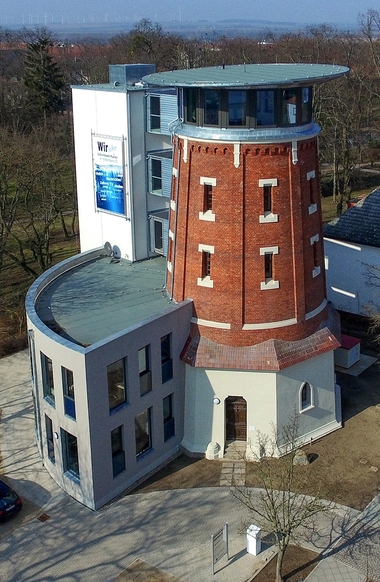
(39,12)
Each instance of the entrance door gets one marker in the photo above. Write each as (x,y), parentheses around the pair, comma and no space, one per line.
(236,419)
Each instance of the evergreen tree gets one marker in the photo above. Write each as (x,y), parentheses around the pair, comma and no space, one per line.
(42,76)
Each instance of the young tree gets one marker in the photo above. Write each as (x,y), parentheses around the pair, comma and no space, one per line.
(279,510)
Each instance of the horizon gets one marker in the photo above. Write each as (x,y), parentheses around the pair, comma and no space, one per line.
(285,12)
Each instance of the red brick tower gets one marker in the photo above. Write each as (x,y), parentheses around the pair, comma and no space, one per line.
(245,239)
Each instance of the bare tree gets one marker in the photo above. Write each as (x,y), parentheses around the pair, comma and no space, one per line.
(278,509)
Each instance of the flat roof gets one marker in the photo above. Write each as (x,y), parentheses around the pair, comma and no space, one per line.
(258,75)
(102,297)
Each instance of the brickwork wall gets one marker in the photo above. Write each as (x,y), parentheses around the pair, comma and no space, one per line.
(237,268)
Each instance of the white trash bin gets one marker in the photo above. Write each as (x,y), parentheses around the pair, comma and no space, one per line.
(253,540)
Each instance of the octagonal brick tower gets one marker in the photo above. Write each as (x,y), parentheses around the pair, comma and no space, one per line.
(245,239)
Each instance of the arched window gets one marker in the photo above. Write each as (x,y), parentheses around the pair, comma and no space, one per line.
(306,399)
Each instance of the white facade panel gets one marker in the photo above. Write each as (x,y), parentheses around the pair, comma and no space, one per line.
(324,415)
(205,421)
(351,275)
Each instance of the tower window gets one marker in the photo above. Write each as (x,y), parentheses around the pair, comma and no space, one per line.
(237,107)
(267,193)
(265,107)
(269,281)
(206,264)
(268,262)
(207,197)
(310,176)
(289,106)
(205,279)
(211,107)
(316,265)
(267,198)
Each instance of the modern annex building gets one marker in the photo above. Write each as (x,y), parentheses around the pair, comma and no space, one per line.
(196,313)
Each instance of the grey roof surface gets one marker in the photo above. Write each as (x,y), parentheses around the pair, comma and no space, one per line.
(359,224)
(102,297)
(273,75)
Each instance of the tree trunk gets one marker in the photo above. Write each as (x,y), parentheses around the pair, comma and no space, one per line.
(280,559)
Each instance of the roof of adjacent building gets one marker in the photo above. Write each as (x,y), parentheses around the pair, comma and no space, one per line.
(359,224)
(258,75)
(102,297)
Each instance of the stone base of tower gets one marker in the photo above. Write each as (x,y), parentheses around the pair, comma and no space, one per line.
(228,404)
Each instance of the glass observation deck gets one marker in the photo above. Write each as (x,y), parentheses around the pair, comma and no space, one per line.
(240,101)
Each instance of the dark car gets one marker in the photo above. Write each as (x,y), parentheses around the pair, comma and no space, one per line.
(10,502)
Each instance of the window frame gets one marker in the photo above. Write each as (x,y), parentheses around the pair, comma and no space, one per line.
(118,453)
(153,115)
(148,431)
(48,378)
(166,358)
(145,374)
(68,459)
(262,108)
(121,385)
(68,393)
(50,439)
(268,268)
(306,403)
(168,420)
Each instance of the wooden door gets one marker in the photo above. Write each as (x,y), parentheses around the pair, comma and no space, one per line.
(236,419)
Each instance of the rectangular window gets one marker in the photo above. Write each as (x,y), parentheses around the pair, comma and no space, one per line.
(158,236)
(116,377)
(118,453)
(206,264)
(207,197)
(143,432)
(191,105)
(50,439)
(144,370)
(265,107)
(237,107)
(169,426)
(306,104)
(268,266)
(47,378)
(267,198)
(68,392)
(166,358)
(70,453)
(289,107)
(155,113)
(155,176)
(211,107)
(315,254)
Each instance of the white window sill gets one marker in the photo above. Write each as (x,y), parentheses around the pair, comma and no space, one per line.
(268,217)
(270,284)
(170,268)
(307,408)
(312,208)
(316,271)
(208,215)
(205,282)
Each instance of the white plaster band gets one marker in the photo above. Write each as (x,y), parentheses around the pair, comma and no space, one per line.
(315,312)
(269,324)
(207,323)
